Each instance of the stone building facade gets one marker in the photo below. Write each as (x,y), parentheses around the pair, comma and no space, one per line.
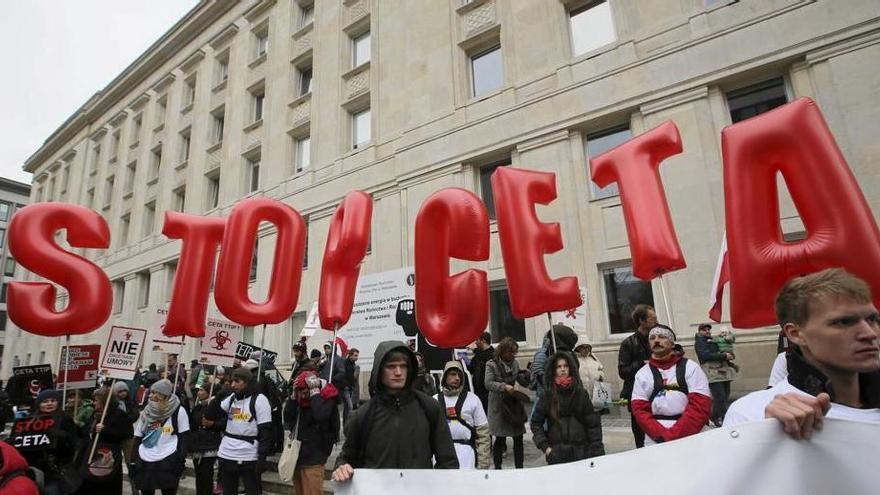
(303,101)
(13,196)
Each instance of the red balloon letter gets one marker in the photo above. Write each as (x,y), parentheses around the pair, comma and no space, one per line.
(634,165)
(192,282)
(231,291)
(841,231)
(525,241)
(31,305)
(346,247)
(451,311)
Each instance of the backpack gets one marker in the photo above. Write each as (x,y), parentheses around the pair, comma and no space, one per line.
(459,404)
(681,386)
(369,416)
(252,407)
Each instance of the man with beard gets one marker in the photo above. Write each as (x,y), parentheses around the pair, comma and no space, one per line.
(671,397)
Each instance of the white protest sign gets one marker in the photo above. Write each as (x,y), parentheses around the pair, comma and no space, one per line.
(123,350)
(159,342)
(574,318)
(219,343)
(313,323)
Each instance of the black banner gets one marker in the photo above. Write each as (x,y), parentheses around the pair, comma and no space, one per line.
(35,432)
(244,350)
(27,382)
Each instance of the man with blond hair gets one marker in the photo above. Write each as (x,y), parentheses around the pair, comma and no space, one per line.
(834,366)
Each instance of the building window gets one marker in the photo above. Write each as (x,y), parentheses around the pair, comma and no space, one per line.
(114,144)
(591,26)
(213,190)
(599,143)
(143,289)
(189,92)
(486,71)
(219,118)
(623,292)
(136,124)
(486,185)
(297,323)
(178,202)
(124,225)
(360,49)
(118,295)
(5,208)
(149,219)
(501,320)
(108,190)
(307,15)
(254,259)
(3,318)
(96,158)
(65,178)
(253,173)
(261,43)
(361,128)
(185,140)
(754,100)
(222,67)
(303,152)
(50,190)
(3,292)
(2,238)
(9,269)
(305,80)
(257,97)
(155,162)
(170,271)
(161,109)
(130,173)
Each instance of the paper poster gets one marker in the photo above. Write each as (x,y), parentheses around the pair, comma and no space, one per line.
(122,353)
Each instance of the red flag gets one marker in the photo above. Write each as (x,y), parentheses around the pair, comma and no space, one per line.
(722,276)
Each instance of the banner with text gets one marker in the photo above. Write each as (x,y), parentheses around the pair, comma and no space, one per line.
(35,432)
(83,366)
(753,458)
(243,351)
(220,342)
(27,382)
(159,342)
(122,353)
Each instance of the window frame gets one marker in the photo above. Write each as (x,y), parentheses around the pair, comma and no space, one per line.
(625,314)
(355,144)
(472,59)
(581,8)
(596,193)
(355,42)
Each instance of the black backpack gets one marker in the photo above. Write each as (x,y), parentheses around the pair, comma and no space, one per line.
(680,386)
(278,444)
(459,404)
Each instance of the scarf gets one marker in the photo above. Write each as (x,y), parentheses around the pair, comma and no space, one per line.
(153,417)
(451,392)
(563,381)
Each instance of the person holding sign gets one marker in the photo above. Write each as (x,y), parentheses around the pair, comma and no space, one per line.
(48,440)
(160,442)
(104,473)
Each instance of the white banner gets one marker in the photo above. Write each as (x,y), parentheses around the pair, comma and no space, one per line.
(575,318)
(122,353)
(756,458)
(159,342)
(219,343)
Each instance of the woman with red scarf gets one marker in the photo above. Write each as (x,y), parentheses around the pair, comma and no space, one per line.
(312,414)
(565,427)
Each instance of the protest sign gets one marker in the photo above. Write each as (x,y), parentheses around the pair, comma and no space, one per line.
(27,382)
(243,351)
(160,342)
(220,342)
(313,323)
(123,351)
(574,318)
(35,432)
(82,366)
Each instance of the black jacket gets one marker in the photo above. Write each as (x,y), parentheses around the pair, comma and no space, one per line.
(634,351)
(318,428)
(576,432)
(707,350)
(806,377)
(64,453)
(478,372)
(400,431)
(204,439)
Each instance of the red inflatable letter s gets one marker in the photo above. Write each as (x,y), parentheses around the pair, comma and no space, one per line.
(31,305)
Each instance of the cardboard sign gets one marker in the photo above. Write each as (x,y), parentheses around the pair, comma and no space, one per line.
(220,343)
(123,351)
(35,432)
(27,382)
(159,342)
(243,351)
(83,366)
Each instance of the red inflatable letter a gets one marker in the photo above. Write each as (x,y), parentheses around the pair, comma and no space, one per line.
(841,232)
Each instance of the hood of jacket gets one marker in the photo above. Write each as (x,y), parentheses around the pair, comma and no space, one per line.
(379,357)
(10,460)
(811,380)
(453,365)
(566,338)
(550,373)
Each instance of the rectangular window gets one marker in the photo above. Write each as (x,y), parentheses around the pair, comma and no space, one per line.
(124,225)
(591,27)
(50,190)
(161,109)
(2,238)
(65,178)
(486,71)
(108,190)
(149,219)
(254,261)
(3,321)
(754,100)
(307,15)
(5,208)
(155,162)
(501,320)
(185,140)
(262,43)
(219,123)
(599,143)
(486,185)
(179,199)
(130,173)
(303,153)
(361,128)
(213,191)
(623,292)
(360,49)
(96,158)
(114,144)
(118,295)
(305,80)
(222,67)
(257,98)
(297,322)
(189,92)
(9,269)
(170,271)
(143,289)
(136,128)
(253,169)
(3,293)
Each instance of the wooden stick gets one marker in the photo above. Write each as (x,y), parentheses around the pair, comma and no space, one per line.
(103,415)
(552,333)
(333,351)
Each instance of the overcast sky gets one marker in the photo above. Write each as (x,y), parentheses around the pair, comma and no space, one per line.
(57,53)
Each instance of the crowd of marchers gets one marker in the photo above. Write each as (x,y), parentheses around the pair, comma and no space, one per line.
(230,421)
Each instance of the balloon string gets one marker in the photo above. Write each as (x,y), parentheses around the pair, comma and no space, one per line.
(666,302)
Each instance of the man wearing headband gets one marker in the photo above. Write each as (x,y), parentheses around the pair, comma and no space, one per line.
(671,397)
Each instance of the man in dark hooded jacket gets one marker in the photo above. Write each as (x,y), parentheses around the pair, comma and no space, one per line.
(399,428)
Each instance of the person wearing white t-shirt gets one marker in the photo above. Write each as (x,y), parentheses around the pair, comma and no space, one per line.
(834,369)
(664,407)
(466,419)
(160,442)
(779,371)
(248,435)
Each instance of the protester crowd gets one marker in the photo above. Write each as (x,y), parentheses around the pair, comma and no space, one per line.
(229,421)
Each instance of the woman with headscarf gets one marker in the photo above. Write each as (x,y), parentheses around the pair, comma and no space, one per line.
(56,460)
(565,427)
(159,451)
(104,474)
(507,414)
